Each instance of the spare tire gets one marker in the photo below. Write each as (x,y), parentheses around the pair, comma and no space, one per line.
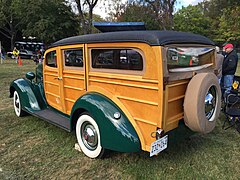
(202,102)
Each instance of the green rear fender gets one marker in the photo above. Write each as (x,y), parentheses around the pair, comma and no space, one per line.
(29,94)
(116,134)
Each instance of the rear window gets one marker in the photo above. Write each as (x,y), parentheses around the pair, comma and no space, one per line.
(183,57)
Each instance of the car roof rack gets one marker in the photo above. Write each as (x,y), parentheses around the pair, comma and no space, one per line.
(119,26)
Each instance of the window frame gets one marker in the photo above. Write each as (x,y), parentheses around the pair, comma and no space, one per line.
(117,71)
(56,61)
(73,67)
(190,68)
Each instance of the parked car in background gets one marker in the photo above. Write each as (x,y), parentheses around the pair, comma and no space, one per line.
(24,54)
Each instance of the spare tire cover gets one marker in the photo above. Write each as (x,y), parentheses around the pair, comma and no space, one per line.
(202,102)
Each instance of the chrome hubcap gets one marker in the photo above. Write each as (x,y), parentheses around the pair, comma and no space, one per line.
(210,102)
(89,136)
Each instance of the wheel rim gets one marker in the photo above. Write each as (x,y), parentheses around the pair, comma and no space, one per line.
(89,136)
(17,105)
(210,103)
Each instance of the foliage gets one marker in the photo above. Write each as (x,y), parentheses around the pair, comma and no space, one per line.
(157,14)
(230,24)
(46,20)
(192,19)
(85,14)
(49,20)
(216,19)
(131,13)
(10,19)
(219,11)
(163,12)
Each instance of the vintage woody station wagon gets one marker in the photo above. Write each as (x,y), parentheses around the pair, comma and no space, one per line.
(124,91)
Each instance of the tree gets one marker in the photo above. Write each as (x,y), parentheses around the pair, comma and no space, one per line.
(10,19)
(162,11)
(49,20)
(131,13)
(115,8)
(224,17)
(229,25)
(192,19)
(85,14)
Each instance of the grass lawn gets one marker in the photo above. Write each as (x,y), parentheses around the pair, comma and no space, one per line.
(31,148)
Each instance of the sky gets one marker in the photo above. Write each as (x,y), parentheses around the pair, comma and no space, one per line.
(187,2)
(100,10)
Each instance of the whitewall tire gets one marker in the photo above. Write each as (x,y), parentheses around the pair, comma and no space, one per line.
(17,105)
(88,136)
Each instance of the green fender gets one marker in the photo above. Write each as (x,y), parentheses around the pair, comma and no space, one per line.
(30,94)
(116,134)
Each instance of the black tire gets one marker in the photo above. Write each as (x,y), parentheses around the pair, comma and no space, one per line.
(17,105)
(202,103)
(88,136)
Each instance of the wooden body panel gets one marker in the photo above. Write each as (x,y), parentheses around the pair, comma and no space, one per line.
(140,95)
(52,88)
(173,104)
(73,87)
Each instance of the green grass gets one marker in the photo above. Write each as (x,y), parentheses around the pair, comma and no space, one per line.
(31,148)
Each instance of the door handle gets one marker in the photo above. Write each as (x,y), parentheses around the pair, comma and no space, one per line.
(58,78)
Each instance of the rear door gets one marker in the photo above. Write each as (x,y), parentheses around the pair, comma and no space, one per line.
(73,75)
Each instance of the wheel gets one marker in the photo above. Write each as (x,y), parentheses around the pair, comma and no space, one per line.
(88,136)
(17,105)
(202,103)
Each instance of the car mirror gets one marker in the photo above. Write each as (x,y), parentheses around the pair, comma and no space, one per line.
(30,76)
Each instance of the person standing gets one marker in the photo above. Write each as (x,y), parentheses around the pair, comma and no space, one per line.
(219,62)
(15,53)
(3,53)
(229,67)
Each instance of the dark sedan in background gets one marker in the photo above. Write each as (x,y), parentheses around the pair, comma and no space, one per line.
(24,54)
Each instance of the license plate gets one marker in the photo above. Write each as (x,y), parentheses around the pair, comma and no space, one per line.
(159,145)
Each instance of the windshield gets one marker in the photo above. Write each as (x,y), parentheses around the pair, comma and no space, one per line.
(182,57)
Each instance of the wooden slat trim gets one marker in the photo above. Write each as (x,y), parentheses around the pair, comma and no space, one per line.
(52,94)
(125,84)
(48,82)
(175,118)
(176,98)
(123,78)
(145,121)
(70,100)
(178,84)
(75,88)
(137,100)
(50,74)
(73,77)
(73,72)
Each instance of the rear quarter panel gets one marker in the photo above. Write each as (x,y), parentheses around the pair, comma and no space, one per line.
(139,96)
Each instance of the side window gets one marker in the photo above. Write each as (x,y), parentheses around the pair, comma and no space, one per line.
(51,59)
(126,59)
(73,57)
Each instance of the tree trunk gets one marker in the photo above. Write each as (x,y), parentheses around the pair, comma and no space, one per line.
(90,18)
(12,41)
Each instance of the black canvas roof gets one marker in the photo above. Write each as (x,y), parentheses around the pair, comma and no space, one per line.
(153,38)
